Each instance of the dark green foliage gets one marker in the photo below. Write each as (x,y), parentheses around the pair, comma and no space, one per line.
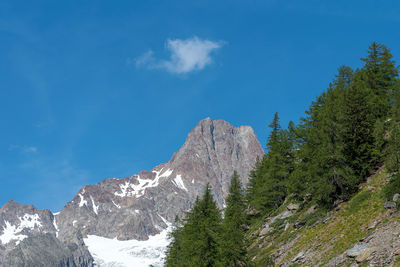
(321,169)
(195,243)
(338,144)
(393,158)
(204,239)
(268,262)
(273,138)
(396,102)
(358,126)
(175,247)
(392,187)
(379,74)
(380,138)
(267,186)
(232,245)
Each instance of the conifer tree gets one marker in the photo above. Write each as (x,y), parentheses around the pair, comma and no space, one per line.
(358,126)
(196,242)
(321,169)
(174,248)
(273,138)
(396,103)
(393,158)
(380,75)
(232,246)
(267,186)
(255,181)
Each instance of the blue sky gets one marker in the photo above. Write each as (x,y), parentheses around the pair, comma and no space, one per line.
(98,89)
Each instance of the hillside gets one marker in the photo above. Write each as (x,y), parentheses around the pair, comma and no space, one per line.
(360,231)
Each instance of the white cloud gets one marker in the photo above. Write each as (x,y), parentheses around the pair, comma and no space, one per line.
(186,55)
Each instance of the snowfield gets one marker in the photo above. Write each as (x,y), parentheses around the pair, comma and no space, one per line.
(13,232)
(115,253)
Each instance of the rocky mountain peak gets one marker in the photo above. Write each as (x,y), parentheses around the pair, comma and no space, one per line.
(143,205)
(213,150)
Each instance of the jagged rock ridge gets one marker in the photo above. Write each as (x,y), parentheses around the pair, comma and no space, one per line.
(141,205)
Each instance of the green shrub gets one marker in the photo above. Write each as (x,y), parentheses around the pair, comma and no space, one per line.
(392,187)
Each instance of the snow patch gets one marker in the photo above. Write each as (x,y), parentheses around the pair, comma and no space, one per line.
(164,220)
(55,225)
(13,232)
(112,252)
(179,182)
(95,208)
(137,190)
(116,205)
(83,201)
(137,211)
(10,233)
(167,173)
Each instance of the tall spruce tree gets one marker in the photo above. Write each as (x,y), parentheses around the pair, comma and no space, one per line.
(267,186)
(396,102)
(196,243)
(393,158)
(174,249)
(321,169)
(379,74)
(233,246)
(273,138)
(335,176)
(358,128)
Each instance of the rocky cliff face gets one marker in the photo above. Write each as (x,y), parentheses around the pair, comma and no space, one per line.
(29,238)
(143,205)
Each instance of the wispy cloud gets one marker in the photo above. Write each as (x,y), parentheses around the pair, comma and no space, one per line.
(187,55)
(23,149)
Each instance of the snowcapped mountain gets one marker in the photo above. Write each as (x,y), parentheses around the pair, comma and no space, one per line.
(124,222)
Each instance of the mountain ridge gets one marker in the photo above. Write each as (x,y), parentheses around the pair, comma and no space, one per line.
(142,205)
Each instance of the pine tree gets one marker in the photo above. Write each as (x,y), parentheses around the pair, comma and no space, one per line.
(267,186)
(393,158)
(396,102)
(174,248)
(321,169)
(196,243)
(380,76)
(273,138)
(232,245)
(358,126)
(255,182)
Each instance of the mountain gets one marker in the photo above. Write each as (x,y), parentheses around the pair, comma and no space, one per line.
(29,238)
(125,221)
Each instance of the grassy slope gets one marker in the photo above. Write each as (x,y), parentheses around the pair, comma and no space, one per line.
(325,240)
